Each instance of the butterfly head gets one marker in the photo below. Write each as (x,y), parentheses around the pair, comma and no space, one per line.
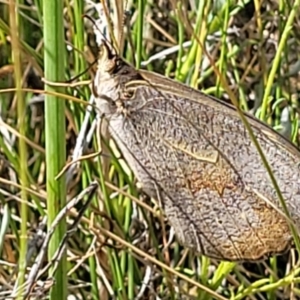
(107,80)
(113,75)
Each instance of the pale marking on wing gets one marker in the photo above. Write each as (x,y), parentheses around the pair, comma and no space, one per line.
(210,156)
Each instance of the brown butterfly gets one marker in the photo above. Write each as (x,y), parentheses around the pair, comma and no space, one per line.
(194,155)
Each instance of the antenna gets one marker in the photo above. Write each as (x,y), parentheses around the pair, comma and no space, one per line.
(101,37)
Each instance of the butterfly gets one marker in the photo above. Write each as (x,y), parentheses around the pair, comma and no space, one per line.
(193,154)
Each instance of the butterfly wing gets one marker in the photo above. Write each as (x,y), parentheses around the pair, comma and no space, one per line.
(195,156)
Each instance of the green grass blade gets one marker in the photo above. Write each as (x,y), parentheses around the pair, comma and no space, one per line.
(55,132)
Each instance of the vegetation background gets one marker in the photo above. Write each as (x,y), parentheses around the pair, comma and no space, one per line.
(119,245)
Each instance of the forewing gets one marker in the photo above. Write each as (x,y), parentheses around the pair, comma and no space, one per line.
(198,159)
